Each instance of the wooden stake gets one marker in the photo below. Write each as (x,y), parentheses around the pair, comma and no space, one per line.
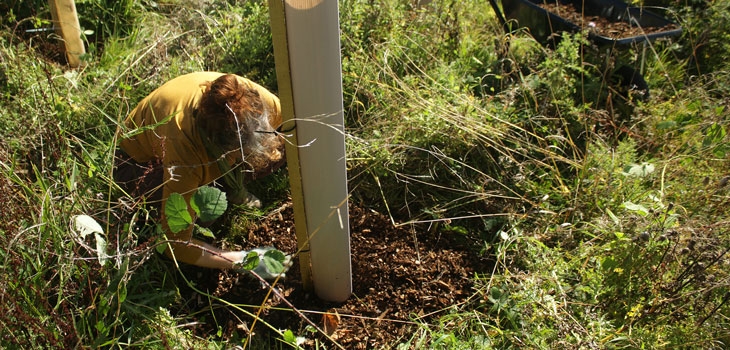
(66,22)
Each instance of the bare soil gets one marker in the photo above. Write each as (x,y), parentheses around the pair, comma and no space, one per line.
(401,278)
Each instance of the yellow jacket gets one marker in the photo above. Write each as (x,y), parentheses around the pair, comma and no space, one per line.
(162,127)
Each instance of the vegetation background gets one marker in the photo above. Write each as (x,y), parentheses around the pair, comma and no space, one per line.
(605,210)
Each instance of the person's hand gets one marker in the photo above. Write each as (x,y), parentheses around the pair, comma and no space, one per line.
(266,262)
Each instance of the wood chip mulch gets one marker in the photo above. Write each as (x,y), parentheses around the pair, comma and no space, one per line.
(403,278)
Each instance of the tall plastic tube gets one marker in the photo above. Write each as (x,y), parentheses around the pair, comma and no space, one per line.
(306,37)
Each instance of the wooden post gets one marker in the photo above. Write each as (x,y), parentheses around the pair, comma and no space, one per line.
(309,72)
(66,22)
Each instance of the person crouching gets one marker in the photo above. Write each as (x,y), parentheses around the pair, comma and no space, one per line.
(195,130)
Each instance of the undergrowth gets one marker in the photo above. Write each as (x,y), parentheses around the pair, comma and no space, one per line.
(605,210)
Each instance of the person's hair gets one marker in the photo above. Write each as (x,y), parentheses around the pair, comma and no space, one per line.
(215,117)
(232,115)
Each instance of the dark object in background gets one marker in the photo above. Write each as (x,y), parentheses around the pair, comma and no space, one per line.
(544,25)
(631,81)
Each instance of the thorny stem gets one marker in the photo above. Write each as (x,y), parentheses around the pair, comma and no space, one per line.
(299,313)
(266,284)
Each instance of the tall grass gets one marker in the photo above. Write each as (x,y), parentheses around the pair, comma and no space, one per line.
(606,215)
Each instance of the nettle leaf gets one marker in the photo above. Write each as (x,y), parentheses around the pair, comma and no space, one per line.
(274,261)
(209,203)
(176,211)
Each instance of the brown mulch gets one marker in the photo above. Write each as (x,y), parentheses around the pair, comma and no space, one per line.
(600,25)
(402,278)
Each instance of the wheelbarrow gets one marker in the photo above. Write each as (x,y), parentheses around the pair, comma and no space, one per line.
(546,20)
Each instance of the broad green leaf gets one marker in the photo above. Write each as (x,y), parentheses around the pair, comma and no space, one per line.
(671,221)
(101,248)
(250,261)
(274,261)
(176,211)
(122,292)
(715,135)
(209,203)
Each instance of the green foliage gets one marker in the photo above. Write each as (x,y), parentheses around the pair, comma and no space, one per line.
(242,42)
(177,214)
(274,261)
(209,203)
(250,261)
(707,35)
(615,209)
(107,18)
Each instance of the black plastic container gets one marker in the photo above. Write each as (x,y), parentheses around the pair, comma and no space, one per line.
(544,24)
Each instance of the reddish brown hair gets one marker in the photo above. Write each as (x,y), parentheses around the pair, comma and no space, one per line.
(215,118)
(232,115)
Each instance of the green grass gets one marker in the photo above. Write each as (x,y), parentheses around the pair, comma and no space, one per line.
(607,217)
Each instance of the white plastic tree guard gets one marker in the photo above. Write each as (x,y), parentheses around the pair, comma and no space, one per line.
(306,38)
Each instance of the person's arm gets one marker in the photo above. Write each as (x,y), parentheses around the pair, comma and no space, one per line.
(198,253)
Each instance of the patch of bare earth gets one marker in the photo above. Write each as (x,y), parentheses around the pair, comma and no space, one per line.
(401,276)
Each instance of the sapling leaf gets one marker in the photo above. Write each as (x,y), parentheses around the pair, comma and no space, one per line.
(274,261)
(250,261)
(209,203)
(176,211)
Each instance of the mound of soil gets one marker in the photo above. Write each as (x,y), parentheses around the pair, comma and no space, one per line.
(402,278)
